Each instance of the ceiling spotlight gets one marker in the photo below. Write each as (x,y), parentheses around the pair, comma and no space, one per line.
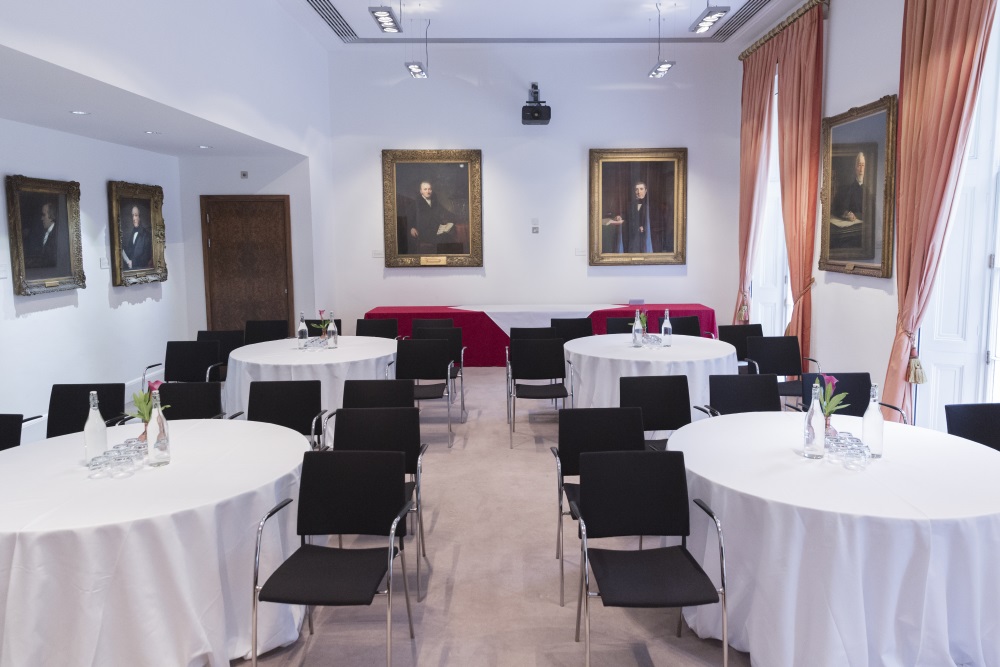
(385,19)
(80,113)
(416,70)
(660,69)
(204,146)
(708,18)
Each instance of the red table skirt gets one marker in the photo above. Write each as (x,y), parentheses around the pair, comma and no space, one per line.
(486,341)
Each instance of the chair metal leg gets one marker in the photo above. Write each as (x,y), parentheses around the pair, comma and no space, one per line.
(725,629)
(253,628)
(309,615)
(513,409)
(451,436)
(561,552)
(406,590)
(680,620)
(579,603)
(461,382)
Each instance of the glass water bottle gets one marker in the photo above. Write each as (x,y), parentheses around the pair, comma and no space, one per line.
(302,332)
(666,330)
(637,330)
(873,425)
(158,435)
(814,434)
(331,332)
(95,432)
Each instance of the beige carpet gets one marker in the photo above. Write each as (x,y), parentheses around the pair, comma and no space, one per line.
(491,579)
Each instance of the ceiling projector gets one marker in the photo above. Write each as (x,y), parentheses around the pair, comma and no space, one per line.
(535,112)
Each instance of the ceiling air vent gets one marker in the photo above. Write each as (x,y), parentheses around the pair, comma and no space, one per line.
(333,19)
(736,21)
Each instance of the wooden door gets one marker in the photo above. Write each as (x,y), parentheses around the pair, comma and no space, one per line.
(247,248)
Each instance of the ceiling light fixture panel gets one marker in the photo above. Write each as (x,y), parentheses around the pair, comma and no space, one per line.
(708,19)
(416,69)
(385,19)
(661,68)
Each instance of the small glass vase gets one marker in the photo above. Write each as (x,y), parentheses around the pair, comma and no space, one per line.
(145,428)
(831,432)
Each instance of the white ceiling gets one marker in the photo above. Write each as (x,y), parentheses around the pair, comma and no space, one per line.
(40,93)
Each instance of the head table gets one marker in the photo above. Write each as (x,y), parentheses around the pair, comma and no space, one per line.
(892,565)
(354,358)
(599,361)
(152,569)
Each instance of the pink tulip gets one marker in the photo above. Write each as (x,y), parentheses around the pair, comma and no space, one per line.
(831,382)
(154,385)
(321,311)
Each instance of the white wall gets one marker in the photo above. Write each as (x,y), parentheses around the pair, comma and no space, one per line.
(101,333)
(600,98)
(854,317)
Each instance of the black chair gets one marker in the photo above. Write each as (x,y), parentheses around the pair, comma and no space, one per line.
(779,355)
(979,422)
(685,326)
(623,325)
(665,402)
(388,430)
(295,404)
(858,387)
(624,494)
(569,328)
(535,359)
(532,332)
(378,393)
(431,323)
(454,337)
(191,361)
(388,328)
(588,430)
(260,331)
(10,429)
(428,359)
(730,394)
(314,327)
(192,400)
(736,335)
(69,406)
(228,341)
(341,493)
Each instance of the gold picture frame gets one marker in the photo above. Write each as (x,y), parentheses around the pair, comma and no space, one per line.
(137,233)
(859,184)
(43,219)
(638,206)
(432,203)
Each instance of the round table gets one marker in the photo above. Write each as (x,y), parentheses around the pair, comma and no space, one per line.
(892,565)
(152,569)
(598,362)
(354,358)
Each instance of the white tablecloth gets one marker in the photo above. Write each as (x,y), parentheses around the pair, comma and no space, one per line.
(355,358)
(599,361)
(155,569)
(893,565)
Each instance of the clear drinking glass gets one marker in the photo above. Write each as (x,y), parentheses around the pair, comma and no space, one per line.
(100,467)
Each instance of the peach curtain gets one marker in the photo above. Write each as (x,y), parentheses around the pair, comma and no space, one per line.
(944,44)
(755,119)
(797,54)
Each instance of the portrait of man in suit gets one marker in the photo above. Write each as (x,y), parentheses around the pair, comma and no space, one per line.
(432,210)
(45,234)
(638,202)
(853,220)
(137,238)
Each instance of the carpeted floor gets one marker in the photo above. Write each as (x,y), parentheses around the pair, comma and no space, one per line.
(491,579)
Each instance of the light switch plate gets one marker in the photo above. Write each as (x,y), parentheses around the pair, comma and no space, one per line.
(105,264)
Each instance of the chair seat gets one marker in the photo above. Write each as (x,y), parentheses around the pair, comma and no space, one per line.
(664,577)
(316,575)
(572,492)
(409,488)
(425,392)
(657,445)
(541,391)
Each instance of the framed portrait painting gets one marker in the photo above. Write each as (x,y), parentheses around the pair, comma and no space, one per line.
(432,207)
(858,197)
(137,233)
(43,219)
(638,206)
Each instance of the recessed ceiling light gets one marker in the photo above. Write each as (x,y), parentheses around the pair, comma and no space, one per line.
(80,113)
(153,132)
(204,146)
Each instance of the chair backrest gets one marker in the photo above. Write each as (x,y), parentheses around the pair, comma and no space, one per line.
(351,493)
(634,493)
(730,394)
(192,400)
(69,405)
(665,400)
(379,429)
(979,422)
(228,341)
(685,326)
(378,393)
(188,360)
(737,334)
(775,354)
(569,328)
(451,334)
(857,385)
(619,325)
(432,322)
(260,331)
(290,403)
(10,430)
(314,327)
(597,430)
(388,328)
(532,332)
(423,359)
(537,359)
